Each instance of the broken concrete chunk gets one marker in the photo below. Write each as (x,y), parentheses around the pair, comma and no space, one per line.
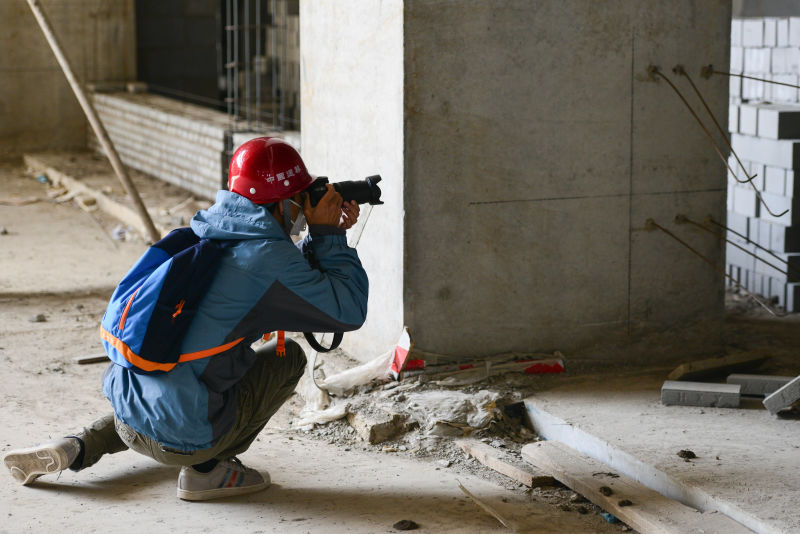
(700,394)
(784,397)
(759,384)
(377,427)
(718,367)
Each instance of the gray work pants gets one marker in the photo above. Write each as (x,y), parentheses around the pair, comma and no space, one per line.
(265,387)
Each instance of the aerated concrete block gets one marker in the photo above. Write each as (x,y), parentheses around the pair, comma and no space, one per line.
(748,119)
(794,31)
(774,152)
(753,32)
(782,32)
(756,60)
(778,121)
(737,59)
(736,32)
(770,32)
(784,397)
(700,394)
(759,384)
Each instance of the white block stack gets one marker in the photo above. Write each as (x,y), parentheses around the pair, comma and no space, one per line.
(764,122)
(180,143)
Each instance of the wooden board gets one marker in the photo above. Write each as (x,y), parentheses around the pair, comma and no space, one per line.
(718,367)
(93,358)
(649,513)
(499,461)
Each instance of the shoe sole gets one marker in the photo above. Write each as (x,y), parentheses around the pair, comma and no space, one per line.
(218,493)
(26,465)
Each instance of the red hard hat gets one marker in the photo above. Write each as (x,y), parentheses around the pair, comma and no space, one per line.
(266,170)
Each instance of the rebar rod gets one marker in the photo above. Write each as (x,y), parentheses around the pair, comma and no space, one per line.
(680,219)
(650,224)
(682,72)
(710,70)
(656,71)
(712,221)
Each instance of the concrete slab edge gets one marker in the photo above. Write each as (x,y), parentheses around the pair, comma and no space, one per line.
(551,427)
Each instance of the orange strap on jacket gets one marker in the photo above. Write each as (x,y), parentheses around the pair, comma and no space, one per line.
(280,350)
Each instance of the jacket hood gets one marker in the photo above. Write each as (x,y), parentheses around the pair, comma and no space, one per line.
(234,217)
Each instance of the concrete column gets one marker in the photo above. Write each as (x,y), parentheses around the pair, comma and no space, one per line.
(528,146)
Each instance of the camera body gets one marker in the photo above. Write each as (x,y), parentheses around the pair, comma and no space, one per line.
(364,191)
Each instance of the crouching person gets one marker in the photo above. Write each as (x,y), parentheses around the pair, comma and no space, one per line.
(206,407)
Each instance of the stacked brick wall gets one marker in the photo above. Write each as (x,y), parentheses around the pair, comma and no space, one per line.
(180,143)
(764,121)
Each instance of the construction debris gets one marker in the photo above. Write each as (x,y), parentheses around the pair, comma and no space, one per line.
(759,385)
(405,524)
(378,426)
(700,394)
(452,413)
(718,367)
(116,209)
(784,397)
(504,463)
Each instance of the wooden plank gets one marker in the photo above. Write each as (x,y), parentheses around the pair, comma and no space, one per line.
(93,358)
(500,462)
(649,512)
(76,187)
(718,367)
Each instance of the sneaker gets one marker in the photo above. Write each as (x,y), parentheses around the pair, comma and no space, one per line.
(228,478)
(26,465)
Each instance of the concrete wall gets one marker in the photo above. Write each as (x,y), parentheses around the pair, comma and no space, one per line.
(37,107)
(352,127)
(534,147)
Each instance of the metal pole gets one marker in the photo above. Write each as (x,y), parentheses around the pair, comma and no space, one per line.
(261,66)
(236,60)
(94,120)
(285,27)
(247,60)
(228,59)
(274,58)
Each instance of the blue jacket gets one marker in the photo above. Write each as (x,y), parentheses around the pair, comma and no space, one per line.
(264,283)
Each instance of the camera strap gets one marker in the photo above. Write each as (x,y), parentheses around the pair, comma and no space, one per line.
(337,339)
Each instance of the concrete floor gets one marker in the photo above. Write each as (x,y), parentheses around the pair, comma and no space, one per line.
(56,262)
(747,460)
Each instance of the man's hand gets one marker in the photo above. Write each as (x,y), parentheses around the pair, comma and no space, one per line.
(350,211)
(328,210)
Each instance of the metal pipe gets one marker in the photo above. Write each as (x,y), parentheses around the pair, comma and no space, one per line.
(236,60)
(94,120)
(228,59)
(284,28)
(273,59)
(261,59)
(247,60)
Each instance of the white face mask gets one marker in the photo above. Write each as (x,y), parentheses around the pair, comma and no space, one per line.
(299,224)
